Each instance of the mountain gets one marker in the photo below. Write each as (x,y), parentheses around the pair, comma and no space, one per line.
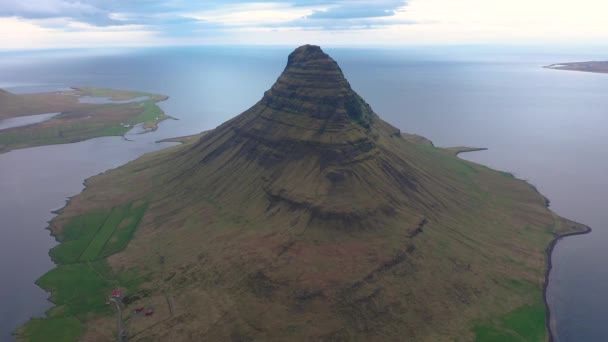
(307,217)
(313,145)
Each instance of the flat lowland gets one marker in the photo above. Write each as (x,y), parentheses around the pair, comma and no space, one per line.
(595,66)
(78,121)
(305,218)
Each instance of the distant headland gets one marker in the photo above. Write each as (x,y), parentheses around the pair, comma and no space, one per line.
(594,66)
(74,115)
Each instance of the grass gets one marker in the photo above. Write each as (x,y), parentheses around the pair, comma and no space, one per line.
(53,329)
(79,288)
(95,236)
(150,116)
(526,323)
(83,279)
(102,236)
(125,230)
(76,236)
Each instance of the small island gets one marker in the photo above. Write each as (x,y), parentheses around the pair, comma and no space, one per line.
(28,120)
(594,66)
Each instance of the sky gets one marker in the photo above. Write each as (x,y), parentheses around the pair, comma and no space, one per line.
(47,24)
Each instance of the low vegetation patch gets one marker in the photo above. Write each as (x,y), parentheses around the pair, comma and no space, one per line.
(526,323)
(94,236)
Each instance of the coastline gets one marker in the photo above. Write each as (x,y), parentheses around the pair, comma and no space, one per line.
(550,248)
(549,252)
(463,149)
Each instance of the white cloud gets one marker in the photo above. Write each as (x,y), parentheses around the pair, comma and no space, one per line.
(251,14)
(488,21)
(18,33)
(277,22)
(119,16)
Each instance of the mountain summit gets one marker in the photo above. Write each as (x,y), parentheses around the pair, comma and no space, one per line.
(314,144)
(313,85)
(308,218)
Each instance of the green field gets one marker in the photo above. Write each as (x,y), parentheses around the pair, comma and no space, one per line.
(526,323)
(83,279)
(95,236)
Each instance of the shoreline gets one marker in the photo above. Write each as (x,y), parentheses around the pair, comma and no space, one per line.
(462,149)
(549,253)
(550,248)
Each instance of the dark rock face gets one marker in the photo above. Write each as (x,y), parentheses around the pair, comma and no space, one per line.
(313,85)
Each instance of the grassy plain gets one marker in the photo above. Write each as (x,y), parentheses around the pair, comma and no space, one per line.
(83,279)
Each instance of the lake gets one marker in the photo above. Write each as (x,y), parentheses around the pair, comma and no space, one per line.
(26,120)
(546,126)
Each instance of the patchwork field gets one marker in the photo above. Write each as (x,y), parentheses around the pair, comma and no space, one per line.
(83,279)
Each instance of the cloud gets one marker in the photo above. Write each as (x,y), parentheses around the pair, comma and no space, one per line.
(359,10)
(85,11)
(73,23)
(251,14)
(26,34)
(227,12)
(326,15)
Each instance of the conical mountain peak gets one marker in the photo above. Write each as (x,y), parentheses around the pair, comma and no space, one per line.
(311,57)
(312,142)
(313,85)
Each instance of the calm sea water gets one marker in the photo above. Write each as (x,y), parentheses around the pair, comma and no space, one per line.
(545,126)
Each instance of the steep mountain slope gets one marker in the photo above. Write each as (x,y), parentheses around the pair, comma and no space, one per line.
(312,143)
(307,217)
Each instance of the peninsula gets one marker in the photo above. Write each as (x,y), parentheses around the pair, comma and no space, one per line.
(306,217)
(596,67)
(79,114)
